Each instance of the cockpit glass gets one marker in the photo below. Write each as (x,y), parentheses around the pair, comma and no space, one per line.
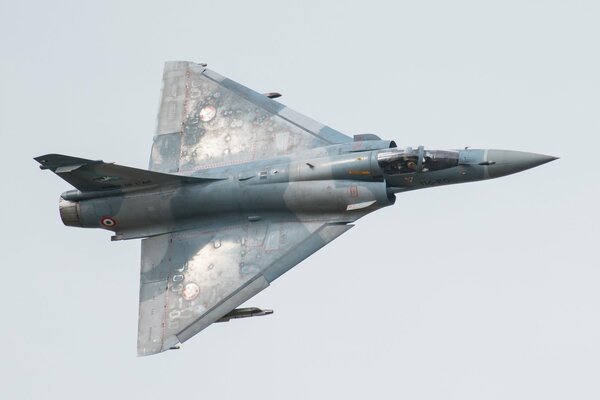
(439,159)
(404,161)
(399,161)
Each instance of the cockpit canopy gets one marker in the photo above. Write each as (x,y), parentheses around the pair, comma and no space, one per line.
(403,161)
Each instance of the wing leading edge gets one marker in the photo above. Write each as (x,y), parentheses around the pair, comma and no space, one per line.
(194,278)
(206,120)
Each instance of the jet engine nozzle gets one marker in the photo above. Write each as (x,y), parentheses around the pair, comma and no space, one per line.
(69,212)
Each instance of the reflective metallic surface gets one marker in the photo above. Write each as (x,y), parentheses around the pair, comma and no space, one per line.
(239,190)
(69,212)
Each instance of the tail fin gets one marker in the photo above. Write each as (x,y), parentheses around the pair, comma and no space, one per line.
(89,175)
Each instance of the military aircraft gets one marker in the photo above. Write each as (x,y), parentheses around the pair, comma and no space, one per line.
(239,190)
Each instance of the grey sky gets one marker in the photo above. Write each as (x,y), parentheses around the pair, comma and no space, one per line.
(477,291)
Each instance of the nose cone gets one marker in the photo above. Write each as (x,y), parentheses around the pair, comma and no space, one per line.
(506,162)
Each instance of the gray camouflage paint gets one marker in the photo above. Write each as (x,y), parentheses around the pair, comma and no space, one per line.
(240,190)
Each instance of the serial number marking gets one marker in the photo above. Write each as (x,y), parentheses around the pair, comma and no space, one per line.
(435,182)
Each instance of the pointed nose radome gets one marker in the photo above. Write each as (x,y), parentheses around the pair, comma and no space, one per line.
(506,162)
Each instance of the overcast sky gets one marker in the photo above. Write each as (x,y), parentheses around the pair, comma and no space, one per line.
(486,290)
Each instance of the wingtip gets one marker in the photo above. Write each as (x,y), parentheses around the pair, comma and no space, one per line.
(43,160)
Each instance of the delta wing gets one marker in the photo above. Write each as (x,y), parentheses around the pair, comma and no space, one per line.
(206,120)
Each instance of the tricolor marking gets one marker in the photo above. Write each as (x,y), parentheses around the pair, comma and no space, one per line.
(108,222)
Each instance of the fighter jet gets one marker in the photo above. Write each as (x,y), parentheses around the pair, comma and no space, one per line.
(240,189)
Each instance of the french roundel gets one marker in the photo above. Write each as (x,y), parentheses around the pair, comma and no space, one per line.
(108,222)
